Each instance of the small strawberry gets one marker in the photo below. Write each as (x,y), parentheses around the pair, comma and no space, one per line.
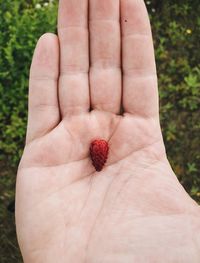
(99,152)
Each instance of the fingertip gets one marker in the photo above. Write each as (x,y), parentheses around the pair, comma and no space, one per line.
(46,57)
(134,17)
(50,38)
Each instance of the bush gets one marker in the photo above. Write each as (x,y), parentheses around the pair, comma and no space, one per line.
(22,22)
(176,30)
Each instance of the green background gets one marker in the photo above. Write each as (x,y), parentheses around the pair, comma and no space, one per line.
(176,32)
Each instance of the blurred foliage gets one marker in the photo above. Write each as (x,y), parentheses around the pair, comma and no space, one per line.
(176,31)
(22,22)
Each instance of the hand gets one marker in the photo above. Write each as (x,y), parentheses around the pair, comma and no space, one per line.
(100,83)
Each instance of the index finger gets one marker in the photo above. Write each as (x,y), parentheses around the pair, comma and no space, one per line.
(74,57)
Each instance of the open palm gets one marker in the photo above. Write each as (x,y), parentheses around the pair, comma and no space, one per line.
(99,83)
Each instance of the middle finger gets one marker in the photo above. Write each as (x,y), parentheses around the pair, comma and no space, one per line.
(105,55)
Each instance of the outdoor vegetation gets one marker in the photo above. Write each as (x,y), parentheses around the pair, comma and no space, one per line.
(176,32)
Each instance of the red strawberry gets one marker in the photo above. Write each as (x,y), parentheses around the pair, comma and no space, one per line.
(99,153)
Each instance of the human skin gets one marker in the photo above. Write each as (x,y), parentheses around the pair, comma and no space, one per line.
(97,79)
